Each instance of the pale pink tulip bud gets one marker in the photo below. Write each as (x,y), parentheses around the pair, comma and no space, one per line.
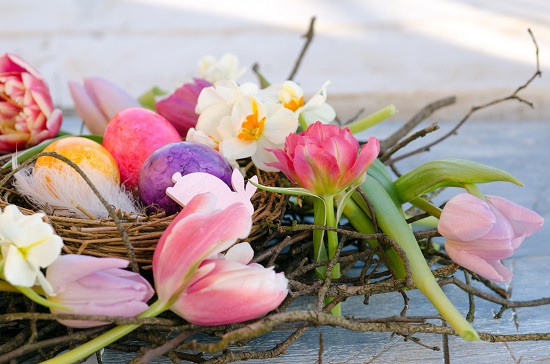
(480,233)
(179,108)
(98,101)
(324,158)
(97,286)
(27,115)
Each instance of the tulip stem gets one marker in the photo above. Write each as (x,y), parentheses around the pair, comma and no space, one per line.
(372,119)
(426,206)
(85,350)
(332,239)
(391,221)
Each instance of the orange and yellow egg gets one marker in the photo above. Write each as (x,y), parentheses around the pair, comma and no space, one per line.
(84,152)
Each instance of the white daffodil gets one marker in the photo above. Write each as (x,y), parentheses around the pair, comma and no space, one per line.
(252,128)
(237,124)
(291,96)
(28,244)
(225,68)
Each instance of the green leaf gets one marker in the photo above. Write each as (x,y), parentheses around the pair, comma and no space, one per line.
(447,173)
(149,98)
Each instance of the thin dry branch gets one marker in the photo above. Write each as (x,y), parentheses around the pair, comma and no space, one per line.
(513,96)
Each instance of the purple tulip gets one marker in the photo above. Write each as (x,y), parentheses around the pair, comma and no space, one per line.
(97,286)
(480,233)
(27,115)
(98,101)
(179,108)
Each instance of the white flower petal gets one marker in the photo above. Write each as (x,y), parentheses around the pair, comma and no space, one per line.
(279,125)
(17,270)
(234,148)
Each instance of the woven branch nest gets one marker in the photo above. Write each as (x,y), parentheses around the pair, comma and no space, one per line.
(132,236)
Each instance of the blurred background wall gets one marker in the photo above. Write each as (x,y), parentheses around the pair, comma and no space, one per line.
(375,52)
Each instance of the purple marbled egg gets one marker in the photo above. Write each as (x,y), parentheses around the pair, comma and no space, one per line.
(183,157)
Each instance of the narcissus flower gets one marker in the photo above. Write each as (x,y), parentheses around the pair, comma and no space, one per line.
(480,233)
(239,125)
(28,244)
(291,96)
(97,286)
(325,159)
(98,101)
(27,114)
(225,68)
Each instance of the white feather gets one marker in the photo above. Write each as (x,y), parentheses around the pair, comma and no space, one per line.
(58,191)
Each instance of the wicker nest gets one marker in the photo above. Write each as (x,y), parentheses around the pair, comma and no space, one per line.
(134,237)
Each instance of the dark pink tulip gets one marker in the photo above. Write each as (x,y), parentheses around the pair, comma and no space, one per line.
(97,286)
(480,233)
(27,115)
(325,159)
(98,101)
(203,287)
(179,108)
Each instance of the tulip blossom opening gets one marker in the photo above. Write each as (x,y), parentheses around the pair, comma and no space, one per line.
(481,233)
(27,114)
(324,159)
(199,285)
(97,286)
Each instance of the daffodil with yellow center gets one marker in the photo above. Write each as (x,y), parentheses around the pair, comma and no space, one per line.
(253,126)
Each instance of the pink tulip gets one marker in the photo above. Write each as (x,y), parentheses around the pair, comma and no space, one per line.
(98,101)
(97,286)
(202,287)
(27,115)
(324,158)
(179,108)
(480,233)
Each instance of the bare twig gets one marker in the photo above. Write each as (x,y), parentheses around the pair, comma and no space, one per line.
(513,96)
(309,38)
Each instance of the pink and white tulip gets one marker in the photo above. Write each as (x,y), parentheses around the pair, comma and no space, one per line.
(324,158)
(27,114)
(97,101)
(480,233)
(206,290)
(97,286)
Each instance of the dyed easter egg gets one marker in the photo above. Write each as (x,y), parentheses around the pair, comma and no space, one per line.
(132,135)
(86,153)
(183,157)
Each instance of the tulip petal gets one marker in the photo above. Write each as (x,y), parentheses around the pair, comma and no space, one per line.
(492,270)
(465,217)
(191,239)
(85,106)
(524,221)
(110,98)
(241,253)
(232,293)
(80,266)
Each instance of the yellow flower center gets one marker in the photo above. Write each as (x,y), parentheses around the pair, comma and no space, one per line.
(294,104)
(253,126)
